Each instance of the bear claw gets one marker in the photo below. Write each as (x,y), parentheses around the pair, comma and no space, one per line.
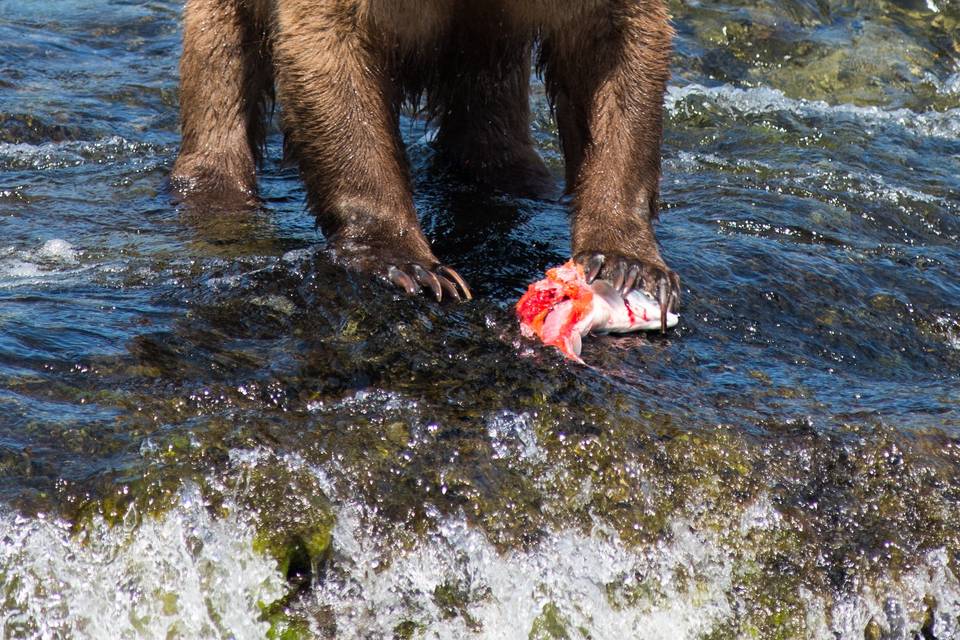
(626,274)
(441,281)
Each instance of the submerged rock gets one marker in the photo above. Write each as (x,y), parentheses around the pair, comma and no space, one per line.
(884,53)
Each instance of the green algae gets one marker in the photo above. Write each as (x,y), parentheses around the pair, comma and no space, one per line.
(826,50)
(286,626)
(872,631)
(453,600)
(407,630)
(291,515)
(550,625)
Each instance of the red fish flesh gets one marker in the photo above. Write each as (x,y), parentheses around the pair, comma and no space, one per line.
(562,308)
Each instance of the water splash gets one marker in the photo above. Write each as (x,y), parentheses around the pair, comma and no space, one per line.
(185,574)
(757,101)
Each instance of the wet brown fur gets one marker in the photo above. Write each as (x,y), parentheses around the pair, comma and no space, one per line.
(342,69)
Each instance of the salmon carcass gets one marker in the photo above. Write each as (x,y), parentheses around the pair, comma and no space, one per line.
(563,307)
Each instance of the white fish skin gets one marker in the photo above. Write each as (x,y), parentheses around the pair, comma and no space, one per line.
(614,313)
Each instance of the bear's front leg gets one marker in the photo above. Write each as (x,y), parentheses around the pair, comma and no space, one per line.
(607,73)
(340,117)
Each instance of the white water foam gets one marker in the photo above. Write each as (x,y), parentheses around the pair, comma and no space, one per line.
(896,607)
(951,86)
(57,250)
(188,574)
(512,435)
(588,582)
(55,258)
(951,330)
(762,100)
(594,586)
(591,584)
(59,262)
(72,153)
(584,582)
(870,186)
(184,575)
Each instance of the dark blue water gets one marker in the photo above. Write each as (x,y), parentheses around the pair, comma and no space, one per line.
(207,430)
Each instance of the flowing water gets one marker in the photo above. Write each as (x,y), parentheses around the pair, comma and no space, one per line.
(207,430)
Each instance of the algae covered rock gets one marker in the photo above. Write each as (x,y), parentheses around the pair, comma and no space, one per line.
(900,54)
(290,512)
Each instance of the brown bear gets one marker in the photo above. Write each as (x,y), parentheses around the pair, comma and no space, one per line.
(342,69)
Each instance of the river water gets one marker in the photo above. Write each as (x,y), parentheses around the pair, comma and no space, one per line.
(207,430)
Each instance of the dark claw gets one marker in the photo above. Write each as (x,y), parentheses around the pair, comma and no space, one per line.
(627,273)
(674,292)
(449,289)
(401,279)
(617,276)
(593,267)
(663,299)
(630,280)
(428,280)
(453,275)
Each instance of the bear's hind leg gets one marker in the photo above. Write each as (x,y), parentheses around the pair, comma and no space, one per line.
(225,81)
(480,96)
